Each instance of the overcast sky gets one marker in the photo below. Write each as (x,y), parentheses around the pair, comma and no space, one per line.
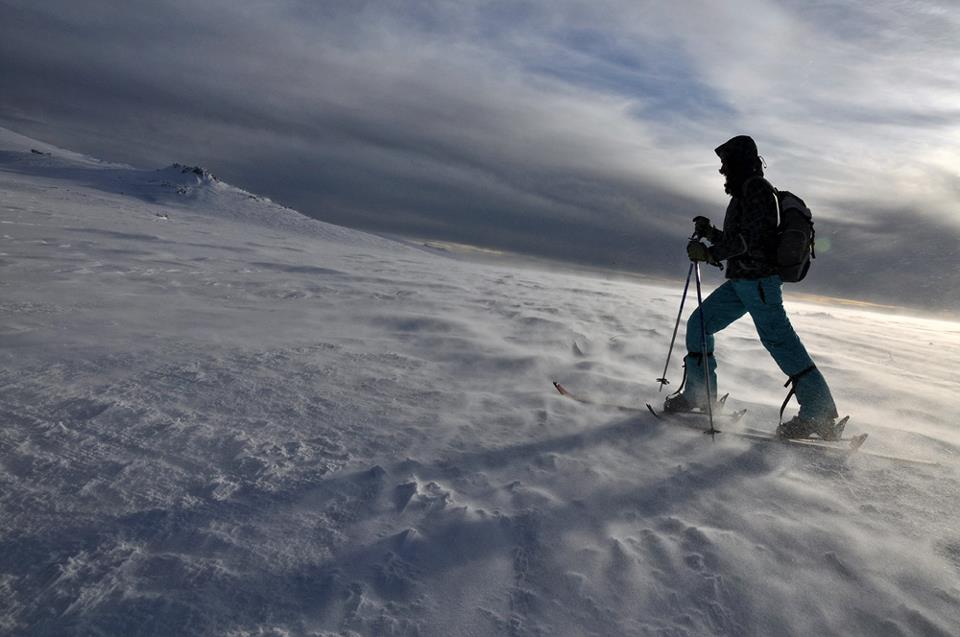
(577,130)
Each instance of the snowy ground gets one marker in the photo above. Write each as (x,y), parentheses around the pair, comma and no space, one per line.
(221,418)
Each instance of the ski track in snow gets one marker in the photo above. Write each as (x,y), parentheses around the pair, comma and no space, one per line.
(222,418)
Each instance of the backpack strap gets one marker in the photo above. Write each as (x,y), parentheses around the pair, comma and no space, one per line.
(751,178)
(776,193)
(792,384)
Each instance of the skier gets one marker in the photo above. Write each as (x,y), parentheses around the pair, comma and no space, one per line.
(748,243)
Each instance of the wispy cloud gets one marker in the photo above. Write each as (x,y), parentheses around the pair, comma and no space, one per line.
(573,129)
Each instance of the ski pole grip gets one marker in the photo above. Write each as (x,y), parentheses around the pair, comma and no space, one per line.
(701,225)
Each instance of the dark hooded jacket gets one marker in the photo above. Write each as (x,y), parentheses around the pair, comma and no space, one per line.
(748,240)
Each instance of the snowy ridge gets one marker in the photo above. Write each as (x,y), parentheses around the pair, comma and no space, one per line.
(187,188)
(218,417)
(13,142)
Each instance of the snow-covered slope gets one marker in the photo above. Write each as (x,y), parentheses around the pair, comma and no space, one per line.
(222,418)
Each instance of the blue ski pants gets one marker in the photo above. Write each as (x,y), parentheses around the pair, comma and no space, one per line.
(763,300)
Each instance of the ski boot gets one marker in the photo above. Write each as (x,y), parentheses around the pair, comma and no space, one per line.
(797,427)
(678,404)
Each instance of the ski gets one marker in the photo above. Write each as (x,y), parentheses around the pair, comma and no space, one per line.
(844,445)
(763,432)
(726,417)
(586,401)
(690,418)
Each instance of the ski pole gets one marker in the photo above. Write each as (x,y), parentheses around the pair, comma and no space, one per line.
(663,379)
(704,360)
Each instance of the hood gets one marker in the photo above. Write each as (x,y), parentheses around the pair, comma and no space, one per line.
(739,150)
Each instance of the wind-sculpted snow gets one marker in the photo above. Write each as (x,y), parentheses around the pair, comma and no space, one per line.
(221,418)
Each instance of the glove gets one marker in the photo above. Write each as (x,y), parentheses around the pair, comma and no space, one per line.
(699,252)
(702,227)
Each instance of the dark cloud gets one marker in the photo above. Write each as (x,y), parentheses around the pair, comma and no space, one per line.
(896,258)
(574,130)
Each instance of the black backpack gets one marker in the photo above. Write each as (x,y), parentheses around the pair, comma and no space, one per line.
(795,237)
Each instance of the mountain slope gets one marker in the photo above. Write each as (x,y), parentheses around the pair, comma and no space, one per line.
(222,418)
